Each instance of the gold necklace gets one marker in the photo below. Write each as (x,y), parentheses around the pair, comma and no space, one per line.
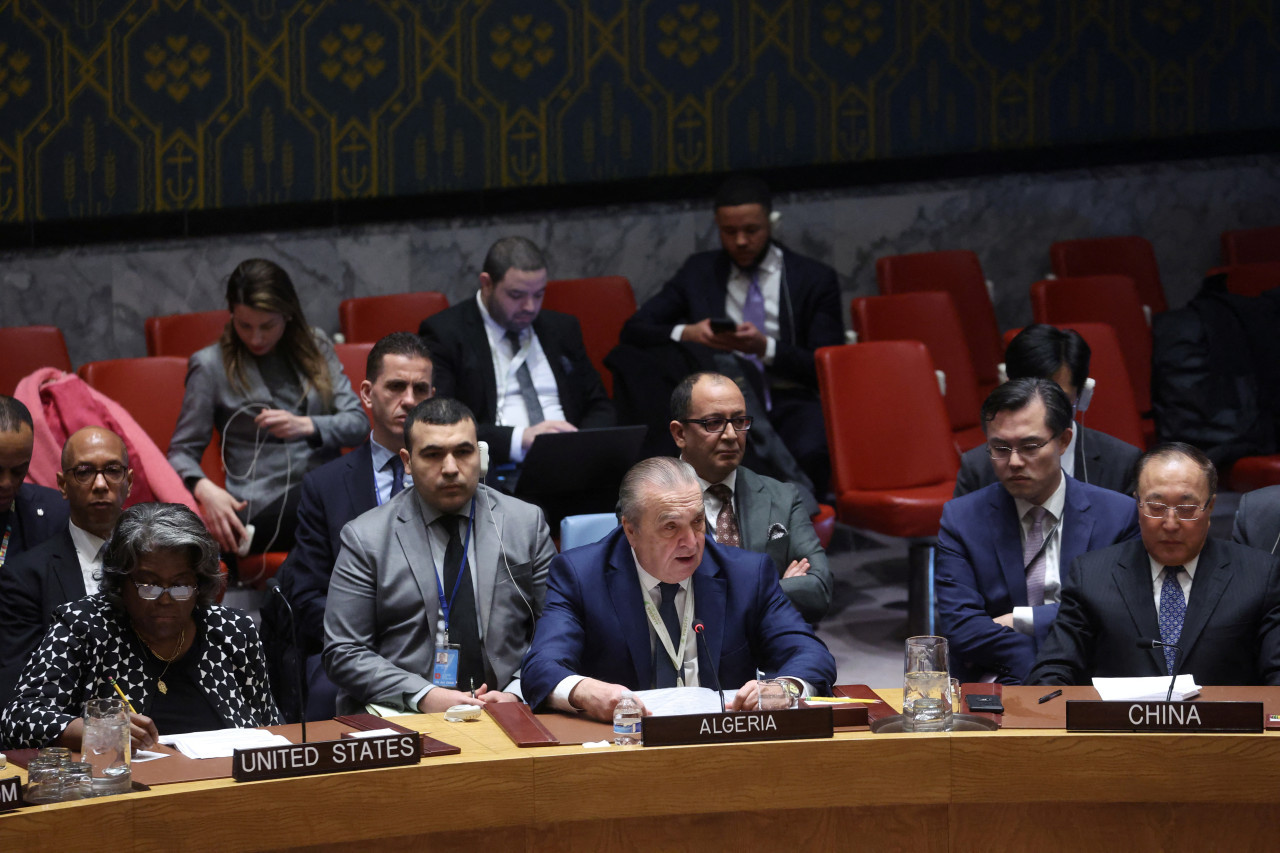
(177,652)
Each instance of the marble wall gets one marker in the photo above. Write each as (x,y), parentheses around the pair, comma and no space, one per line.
(99,295)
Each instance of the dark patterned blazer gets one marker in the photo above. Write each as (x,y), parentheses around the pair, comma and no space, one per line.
(90,640)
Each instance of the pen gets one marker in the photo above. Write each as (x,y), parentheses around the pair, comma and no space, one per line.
(132,710)
(1046,697)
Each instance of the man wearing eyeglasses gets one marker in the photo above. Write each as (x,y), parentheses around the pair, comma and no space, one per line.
(1002,549)
(709,423)
(1212,607)
(95,479)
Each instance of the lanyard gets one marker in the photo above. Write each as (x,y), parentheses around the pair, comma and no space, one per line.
(8,532)
(660,629)
(462,572)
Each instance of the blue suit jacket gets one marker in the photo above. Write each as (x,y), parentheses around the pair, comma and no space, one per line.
(980,575)
(594,623)
(42,514)
(332,495)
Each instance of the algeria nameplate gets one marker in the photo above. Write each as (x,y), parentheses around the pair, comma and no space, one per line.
(737,727)
(327,756)
(1189,717)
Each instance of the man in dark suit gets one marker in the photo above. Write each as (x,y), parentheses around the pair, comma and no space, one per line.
(1216,603)
(1002,549)
(521,370)
(782,307)
(397,378)
(95,480)
(1257,521)
(1041,351)
(618,611)
(29,514)
(709,423)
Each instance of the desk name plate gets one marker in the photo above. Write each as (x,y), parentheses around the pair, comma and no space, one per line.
(737,727)
(1187,717)
(326,756)
(10,793)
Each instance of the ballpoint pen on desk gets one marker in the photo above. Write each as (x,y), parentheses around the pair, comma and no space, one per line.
(1045,698)
(132,710)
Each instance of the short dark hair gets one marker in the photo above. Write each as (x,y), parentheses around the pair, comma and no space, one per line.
(149,527)
(744,189)
(13,414)
(513,252)
(406,344)
(682,396)
(1019,393)
(1171,449)
(1041,350)
(438,411)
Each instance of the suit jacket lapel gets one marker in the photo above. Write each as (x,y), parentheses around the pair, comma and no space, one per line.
(1077,529)
(628,605)
(486,562)
(362,490)
(66,569)
(1212,577)
(753,510)
(1008,533)
(1133,580)
(709,603)
(550,343)
(411,534)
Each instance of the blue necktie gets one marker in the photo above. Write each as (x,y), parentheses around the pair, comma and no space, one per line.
(753,312)
(1173,608)
(396,464)
(664,672)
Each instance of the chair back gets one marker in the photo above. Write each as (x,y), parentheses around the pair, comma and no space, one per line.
(366,319)
(579,530)
(183,334)
(602,305)
(24,349)
(1129,256)
(1253,279)
(149,389)
(1251,245)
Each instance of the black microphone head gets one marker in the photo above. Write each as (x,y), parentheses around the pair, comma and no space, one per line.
(1146,643)
(273,584)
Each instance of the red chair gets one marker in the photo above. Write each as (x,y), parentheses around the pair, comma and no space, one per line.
(1112,300)
(601,304)
(1251,245)
(1128,256)
(960,274)
(366,319)
(182,334)
(24,349)
(1112,409)
(354,357)
(893,462)
(1252,279)
(150,389)
(824,524)
(930,318)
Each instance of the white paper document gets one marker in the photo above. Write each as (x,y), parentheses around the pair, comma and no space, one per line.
(221,742)
(141,755)
(669,701)
(1148,689)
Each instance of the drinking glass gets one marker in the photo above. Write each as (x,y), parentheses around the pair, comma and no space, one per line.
(774,695)
(926,688)
(106,745)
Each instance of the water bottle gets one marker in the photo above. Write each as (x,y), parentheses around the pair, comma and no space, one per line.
(626,721)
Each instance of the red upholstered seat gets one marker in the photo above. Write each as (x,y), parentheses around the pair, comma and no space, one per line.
(255,570)
(824,524)
(905,512)
(183,334)
(931,318)
(959,273)
(1251,279)
(150,389)
(354,357)
(1251,245)
(24,349)
(1127,256)
(602,305)
(365,319)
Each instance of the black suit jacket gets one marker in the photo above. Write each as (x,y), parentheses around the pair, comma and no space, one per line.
(1230,635)
(42,513)
(332,495)
(1101,460)
(1258,519)
(463,369)
(31,586)
(809,309)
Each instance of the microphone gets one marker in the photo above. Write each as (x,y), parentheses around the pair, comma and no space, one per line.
(700,629)
(1147,643)
(273,584)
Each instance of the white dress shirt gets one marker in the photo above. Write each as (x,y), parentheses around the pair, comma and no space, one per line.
(769,278)
(89,554)
(1024,617)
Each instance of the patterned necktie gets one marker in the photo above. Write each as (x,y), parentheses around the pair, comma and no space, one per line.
(726,521)
(753,313)
(1033,556)
(525,380)
(664,671)
(396,464)
(463,626)
(1173,608)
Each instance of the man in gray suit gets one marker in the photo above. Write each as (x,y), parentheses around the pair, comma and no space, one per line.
(709,423)
(1258,519)
(435,593)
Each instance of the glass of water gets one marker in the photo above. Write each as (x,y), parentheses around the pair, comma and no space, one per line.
(926,687)
(106,745)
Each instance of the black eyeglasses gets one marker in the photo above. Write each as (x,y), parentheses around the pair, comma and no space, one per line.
(742,423)
(86,474)
(151,591)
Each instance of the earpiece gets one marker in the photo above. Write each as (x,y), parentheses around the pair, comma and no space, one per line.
(1086,395)
(484,460)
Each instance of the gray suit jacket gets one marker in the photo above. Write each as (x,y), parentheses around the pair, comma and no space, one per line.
(380,623)
(1258,519)
(210,402)
(772,520)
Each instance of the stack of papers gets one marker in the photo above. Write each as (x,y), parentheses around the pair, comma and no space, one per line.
(1150,689)
(669,701)
(221,743)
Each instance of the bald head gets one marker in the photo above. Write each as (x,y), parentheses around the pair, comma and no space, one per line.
(80,441)
(95,479)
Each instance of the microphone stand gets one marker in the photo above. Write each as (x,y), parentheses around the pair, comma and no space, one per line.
(274,586)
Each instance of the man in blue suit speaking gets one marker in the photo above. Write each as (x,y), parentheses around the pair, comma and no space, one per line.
(618,613)
(1003,551)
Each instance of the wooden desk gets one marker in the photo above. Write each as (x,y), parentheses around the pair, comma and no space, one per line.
(931,792)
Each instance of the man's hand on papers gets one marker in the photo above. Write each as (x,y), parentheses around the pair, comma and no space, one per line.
(597,699)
